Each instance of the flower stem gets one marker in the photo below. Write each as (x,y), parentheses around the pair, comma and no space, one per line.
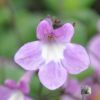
(27,77)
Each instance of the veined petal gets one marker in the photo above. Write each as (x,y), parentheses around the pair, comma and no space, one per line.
(76,58)
(52,75)
(64,33)
(44,28)
(29,56)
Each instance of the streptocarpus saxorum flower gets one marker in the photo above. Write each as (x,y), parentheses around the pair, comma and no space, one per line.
(16,91)
(72,90)
(53,54)
(94,51)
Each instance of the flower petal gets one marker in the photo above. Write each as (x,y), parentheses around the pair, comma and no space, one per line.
(76,58)
(66,97)
(29,56)
(94,51)
(27,98)
(44,27)
(64,33)
(5,93)
(10,83)
(53,75)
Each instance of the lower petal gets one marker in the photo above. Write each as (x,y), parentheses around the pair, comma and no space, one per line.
(29,56)
(5,93)
(53,75)
(76,58)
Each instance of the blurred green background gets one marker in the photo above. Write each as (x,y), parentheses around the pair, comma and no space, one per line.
(18,22)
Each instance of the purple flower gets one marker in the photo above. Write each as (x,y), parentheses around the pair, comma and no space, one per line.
(94,51)
(69,94)
(73,85)
(53,54)
(16,91)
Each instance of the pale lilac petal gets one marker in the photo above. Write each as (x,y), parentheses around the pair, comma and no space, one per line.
(73,85)
(94,51)
(64,33)
(76,58)
(27,98)
(66,97)
(52,75)
(11,83)
(29,56)
(44,28)
(5,93)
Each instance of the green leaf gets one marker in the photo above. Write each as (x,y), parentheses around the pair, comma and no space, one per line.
(4,15)
(8,44)
(26,24)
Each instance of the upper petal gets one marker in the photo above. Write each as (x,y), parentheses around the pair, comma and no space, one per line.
(29,56)
(76,58)
(44,28)
(64,33)
(52,75)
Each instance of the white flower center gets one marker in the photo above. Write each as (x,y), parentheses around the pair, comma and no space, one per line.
(52,51)
(17,95)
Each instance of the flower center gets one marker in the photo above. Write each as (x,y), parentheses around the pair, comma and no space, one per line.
(52,51)
(16,95)
(50,37)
